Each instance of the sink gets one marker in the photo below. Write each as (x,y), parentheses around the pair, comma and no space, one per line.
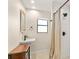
(27,41)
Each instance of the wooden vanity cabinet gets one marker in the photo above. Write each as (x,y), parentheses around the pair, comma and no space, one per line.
(20,52)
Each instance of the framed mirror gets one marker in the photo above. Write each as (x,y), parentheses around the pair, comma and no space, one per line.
(22,21)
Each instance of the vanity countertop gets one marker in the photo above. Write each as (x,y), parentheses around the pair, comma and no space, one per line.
(20,49)
(28,41)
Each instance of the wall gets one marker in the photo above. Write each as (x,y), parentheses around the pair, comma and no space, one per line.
(14,34)
(42,39)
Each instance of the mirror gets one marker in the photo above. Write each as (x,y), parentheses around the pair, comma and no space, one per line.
(22,21)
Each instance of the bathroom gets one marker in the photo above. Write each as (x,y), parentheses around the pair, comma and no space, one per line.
(44,23)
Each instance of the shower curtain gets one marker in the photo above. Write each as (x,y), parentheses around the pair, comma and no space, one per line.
(55,42)
(55,50)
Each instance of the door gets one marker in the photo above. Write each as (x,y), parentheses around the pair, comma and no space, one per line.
(65,31)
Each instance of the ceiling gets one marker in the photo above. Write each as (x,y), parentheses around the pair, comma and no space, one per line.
(56,4)
(44,5)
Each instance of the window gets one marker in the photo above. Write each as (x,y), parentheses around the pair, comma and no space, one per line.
(42,25)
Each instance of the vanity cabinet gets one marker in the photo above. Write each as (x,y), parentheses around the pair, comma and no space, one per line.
(20,52)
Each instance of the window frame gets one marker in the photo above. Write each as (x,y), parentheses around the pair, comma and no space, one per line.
(42,25)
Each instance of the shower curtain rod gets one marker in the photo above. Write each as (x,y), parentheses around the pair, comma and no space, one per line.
(61,6)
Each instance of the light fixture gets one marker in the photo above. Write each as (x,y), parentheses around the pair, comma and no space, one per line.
(32,1)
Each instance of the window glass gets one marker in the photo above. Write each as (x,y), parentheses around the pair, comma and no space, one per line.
(42,22)
(42,26)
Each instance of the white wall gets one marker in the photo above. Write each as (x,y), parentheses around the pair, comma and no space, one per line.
(14,34)
(42,39)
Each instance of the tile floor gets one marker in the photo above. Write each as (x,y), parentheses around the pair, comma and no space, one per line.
(40,55)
